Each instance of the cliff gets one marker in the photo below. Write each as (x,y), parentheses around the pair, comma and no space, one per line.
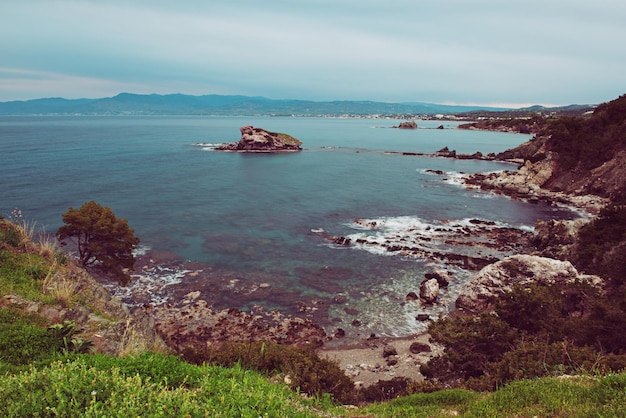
(578,156)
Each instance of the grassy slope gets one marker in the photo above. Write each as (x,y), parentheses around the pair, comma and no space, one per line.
(158,385)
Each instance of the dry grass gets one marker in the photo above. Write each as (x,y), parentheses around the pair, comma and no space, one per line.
(134,343)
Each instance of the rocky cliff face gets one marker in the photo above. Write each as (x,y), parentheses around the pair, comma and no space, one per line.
(259,140)
(574,157)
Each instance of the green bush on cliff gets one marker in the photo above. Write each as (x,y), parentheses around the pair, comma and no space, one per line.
(533,332)
(587,143)
(24,340)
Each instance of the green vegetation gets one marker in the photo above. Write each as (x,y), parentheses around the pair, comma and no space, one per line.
(289,140)
(300,368)
(581,396)
(534,331)
(102,239)
(587,143)
(82,387)
(601,246)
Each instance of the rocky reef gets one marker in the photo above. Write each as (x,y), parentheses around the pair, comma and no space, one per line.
(259,140)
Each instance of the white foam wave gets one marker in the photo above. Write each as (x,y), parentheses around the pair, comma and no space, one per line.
(149,286)
(419,238)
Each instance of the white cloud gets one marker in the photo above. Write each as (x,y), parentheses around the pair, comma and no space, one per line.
(400,50)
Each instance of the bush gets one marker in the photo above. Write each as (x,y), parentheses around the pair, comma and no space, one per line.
(24,339)
(533,332)
(601,245)
(384,390)
(304,369)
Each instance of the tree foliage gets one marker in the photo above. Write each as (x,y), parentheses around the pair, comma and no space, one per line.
(102,240)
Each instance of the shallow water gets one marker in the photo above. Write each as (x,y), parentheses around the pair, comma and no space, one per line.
(255,219)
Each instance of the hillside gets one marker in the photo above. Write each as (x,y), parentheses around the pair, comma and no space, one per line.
(213,104)
(585,155)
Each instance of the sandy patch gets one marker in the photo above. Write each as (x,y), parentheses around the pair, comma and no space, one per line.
(365,364)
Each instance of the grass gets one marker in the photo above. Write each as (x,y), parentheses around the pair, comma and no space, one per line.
(580,396)
(83,387)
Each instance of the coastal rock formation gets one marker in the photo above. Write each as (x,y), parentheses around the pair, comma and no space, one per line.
(555,239)
(481,291)
(193,323)
(259,140)
(532,182)
(407,125)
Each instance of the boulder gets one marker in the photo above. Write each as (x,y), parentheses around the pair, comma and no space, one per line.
(259,140)
(481,291)
(418,347)
(411,296)
(422,317)
(429,290)
(389,350)
(442,277)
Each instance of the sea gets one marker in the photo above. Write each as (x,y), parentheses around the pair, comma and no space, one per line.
(249,230)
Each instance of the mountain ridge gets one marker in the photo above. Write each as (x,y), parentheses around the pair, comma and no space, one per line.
(215,104)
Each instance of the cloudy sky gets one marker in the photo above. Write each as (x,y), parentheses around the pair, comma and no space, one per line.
(441,51)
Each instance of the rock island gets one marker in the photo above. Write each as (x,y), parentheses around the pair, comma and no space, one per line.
(259,140)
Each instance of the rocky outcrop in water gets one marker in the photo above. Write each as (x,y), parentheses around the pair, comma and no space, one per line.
(481,291)
(407,125)
(259,140)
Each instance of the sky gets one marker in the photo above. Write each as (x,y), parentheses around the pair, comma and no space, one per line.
(487,52)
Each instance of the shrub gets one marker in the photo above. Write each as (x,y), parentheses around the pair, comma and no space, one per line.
(601,245)
(304,369)
(535,331)
(384,390)
(25,340)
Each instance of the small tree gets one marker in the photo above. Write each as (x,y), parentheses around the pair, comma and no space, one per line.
(102,239)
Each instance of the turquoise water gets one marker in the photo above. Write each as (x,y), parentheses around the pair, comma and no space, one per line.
(251,216)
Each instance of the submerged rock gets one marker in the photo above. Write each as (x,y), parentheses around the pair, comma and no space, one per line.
(259,140)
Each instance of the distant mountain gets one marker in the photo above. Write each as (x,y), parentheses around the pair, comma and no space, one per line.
(213,104)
